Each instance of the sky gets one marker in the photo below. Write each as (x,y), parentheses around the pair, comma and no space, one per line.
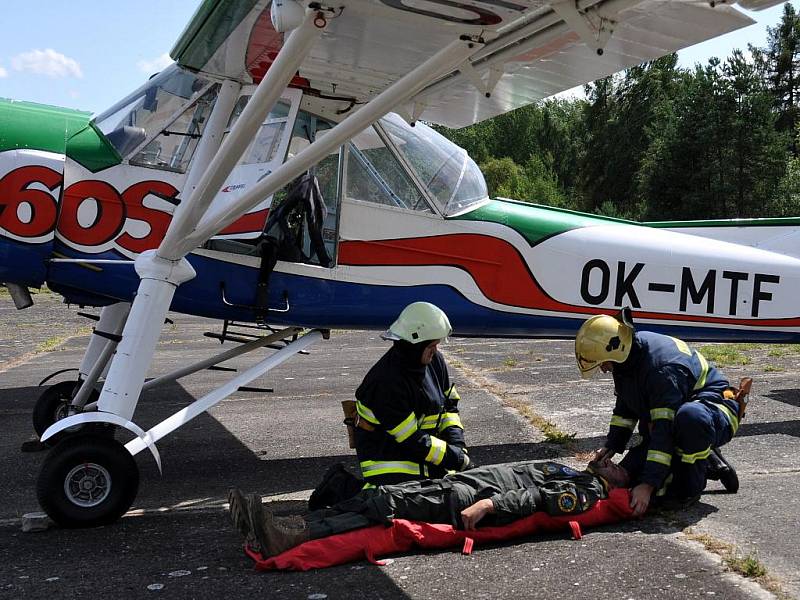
(87,54)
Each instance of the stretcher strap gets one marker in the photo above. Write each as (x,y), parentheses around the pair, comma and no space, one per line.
(469,543)
(576,530)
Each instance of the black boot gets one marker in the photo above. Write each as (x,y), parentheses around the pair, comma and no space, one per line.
(721,470)
(337,484)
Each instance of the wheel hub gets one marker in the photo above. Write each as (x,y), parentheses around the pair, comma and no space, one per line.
(87,485)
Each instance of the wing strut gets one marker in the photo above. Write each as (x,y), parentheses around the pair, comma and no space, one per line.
(162,271)
(542,29)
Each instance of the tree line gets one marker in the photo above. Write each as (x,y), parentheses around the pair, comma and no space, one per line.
(660,142)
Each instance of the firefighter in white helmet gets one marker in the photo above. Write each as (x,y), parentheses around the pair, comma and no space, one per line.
(407,425)
(684,407)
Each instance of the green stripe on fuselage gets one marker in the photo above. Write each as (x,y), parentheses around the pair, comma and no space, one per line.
(533,221)
(759,222)
(29,126)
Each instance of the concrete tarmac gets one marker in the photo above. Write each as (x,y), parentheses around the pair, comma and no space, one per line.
(176,541)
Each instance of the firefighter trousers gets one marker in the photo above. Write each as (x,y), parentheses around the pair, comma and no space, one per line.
(699,426)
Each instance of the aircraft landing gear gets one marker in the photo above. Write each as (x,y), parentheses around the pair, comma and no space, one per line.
(53,405)
(86,481)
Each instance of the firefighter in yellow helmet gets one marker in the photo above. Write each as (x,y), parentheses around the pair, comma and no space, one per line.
(684,407)
(408,426)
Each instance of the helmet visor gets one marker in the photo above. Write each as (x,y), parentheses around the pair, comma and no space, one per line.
(587,367)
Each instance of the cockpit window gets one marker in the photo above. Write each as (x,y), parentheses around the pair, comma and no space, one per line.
(447,171)
(150,109)
(375,175)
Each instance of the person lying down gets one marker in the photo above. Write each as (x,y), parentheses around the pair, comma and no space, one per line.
(490,495)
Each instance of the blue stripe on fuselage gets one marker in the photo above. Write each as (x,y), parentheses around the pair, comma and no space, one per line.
(341,305)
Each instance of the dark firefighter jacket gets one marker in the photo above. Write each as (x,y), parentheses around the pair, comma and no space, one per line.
(660,374)
(414,412)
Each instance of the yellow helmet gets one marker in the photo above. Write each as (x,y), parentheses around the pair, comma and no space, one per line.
(420,322)
(602,338)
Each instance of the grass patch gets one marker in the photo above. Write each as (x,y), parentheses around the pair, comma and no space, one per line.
(52,343)
(510,362)
(549,429)
(772,369)
(781,350)
(748,566)
(44,291)
(4,293)
(725,355)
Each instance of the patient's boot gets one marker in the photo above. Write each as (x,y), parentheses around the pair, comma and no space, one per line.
(721,470)
(272,538)
(237,508)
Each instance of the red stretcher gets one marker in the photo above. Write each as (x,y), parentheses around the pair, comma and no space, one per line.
(403,536)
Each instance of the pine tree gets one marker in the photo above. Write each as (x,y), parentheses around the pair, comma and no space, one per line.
(781,62)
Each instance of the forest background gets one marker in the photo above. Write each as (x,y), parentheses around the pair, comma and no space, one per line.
(658,142)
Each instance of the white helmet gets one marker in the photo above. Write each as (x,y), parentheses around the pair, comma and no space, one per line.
(420,322)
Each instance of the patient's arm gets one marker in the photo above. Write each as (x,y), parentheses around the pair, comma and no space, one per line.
(471,515)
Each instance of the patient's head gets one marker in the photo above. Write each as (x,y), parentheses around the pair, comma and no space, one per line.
(614,474)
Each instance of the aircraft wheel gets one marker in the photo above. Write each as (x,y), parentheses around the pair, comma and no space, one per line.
(53,405)
(86,481)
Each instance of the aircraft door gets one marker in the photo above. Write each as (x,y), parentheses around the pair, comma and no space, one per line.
(267,150)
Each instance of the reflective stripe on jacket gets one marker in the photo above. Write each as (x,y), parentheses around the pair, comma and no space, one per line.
(413,409)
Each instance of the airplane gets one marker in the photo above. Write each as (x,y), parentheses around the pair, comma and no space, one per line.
(164,201)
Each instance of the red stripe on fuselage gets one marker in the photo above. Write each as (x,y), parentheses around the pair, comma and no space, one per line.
(500,273)
(494,264)
(248,223)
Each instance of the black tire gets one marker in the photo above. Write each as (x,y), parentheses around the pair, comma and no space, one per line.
(86,481)
(52,405)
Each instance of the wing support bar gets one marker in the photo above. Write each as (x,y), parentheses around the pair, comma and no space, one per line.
(291,55)
(534,31)
(201,405)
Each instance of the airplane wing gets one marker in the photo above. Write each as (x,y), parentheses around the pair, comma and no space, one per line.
(534,49)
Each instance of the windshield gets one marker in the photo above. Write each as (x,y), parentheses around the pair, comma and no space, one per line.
(447,171)
(147,110)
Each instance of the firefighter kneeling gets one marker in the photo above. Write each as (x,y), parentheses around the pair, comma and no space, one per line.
(685,409)
(404,424)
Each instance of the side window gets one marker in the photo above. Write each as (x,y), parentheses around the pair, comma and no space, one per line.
(375,175)
(173,148)
(266,142)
